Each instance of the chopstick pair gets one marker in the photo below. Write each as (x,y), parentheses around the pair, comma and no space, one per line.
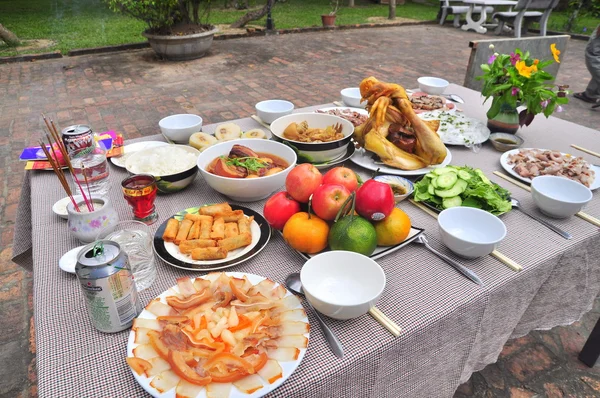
(259,121)
(582,149)
(582,215)
(385,321)
(499,256)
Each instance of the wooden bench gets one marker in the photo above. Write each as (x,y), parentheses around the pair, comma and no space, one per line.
(524,10)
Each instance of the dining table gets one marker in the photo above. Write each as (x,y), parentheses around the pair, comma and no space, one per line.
(451,327)
(477,25)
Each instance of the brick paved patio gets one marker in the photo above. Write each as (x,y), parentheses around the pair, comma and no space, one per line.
(131,91)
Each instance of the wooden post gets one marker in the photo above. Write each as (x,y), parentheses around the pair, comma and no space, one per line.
(8,37)
(392,14)
(350,3)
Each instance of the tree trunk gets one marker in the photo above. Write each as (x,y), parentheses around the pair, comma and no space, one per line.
(350,3)
(8,37)
(573,16)
(392,9)
(252,15)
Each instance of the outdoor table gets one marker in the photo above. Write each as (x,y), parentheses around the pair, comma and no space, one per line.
(451,326)
(477,26)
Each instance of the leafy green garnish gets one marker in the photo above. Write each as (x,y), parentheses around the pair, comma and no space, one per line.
(249,163)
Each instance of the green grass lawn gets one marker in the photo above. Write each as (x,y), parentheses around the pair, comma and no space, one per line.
(73,24)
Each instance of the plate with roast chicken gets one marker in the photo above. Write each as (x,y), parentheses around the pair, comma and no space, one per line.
(394,139)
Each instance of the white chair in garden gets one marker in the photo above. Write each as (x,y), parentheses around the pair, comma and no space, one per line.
(457,8)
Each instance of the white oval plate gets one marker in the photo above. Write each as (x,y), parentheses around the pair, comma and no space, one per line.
(458,129)
(287,367)
(364,159)
(509,168)
(60,207)
(68,261)
(119,161)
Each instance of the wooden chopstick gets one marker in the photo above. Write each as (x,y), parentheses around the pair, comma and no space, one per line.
(385,321)
(259,121)
(499,256)
(586,150)
(584,216)
(338,103)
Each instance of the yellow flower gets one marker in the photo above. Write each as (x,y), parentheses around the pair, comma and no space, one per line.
(555,52)
(525,70)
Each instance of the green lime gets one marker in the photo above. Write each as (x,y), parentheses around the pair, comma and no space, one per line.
(353,233)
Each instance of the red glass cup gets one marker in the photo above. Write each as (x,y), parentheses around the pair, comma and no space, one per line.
(139,191)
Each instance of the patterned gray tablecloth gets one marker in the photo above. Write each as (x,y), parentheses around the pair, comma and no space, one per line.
(451,326)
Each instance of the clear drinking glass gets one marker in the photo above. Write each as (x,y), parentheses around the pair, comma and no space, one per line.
(136,239)
(90,163)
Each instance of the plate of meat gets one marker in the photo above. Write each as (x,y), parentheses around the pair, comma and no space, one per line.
(527,163)
(356,116)
(422,102)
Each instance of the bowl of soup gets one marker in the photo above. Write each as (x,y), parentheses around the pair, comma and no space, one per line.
(246,170)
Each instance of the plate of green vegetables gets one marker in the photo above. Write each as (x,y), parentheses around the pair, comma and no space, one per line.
(453,186)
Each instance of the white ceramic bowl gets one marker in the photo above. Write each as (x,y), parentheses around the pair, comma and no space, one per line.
(432,85)
(179,128)
(559,197)
(314,152)
(270,110)
(246,189)
(397,183)
(351,97)
(166,183)
(60,207)
(470,232)
(342,284)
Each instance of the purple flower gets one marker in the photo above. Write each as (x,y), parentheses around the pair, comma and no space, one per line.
(492,59)
(515,91)
(559,109)
(95,223)
(514,58)
(545,103)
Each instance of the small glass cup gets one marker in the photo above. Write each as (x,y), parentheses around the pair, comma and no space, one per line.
(91,170)
(140,191)
(135,238)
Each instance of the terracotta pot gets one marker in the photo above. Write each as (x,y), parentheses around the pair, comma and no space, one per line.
(181,48)
(328,20)
(506,121)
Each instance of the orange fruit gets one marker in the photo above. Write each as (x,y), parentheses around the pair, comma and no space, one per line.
(393,229)
(307,234)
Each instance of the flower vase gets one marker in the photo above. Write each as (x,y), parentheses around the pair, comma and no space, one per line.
(85,225)
(506,121)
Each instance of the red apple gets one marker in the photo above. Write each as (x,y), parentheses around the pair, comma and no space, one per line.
(374,200)
(279,208)
(302,181)
(328,199)
(341,176)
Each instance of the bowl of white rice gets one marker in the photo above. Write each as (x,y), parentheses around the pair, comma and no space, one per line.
(174,166)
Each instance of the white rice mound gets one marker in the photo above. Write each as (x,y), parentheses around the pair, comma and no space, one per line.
(164,160)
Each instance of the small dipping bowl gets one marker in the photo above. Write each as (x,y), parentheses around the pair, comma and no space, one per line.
(505,142)
(559,197)
(401,187)
(270,110)
(432,85)
(60,207)
(179,128)
(351,97)
(342,284)
(470,232)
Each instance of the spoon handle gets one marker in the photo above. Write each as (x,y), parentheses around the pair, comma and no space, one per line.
(553,227)
(334,343)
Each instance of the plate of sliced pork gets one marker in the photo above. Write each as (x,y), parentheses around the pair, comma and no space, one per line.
(527,163)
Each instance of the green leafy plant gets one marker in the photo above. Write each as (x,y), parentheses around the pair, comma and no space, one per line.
(518,79)
(162,15)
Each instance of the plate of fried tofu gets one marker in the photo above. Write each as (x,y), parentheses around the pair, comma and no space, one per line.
(211,237)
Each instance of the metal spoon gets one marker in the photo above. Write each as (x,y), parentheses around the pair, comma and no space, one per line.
(422,239)
(293,283)
(517,205)
(455,98)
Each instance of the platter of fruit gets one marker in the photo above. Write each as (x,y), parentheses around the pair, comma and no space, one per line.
(319,212)
(454,186)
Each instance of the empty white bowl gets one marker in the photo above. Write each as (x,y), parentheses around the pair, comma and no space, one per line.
(559,197)
(179,128)
(470,232)
(351,97)
(342,284)
(401,186)
(270,110)
(432,85)
(246,189)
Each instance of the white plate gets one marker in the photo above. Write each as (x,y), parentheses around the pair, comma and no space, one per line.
(287,367)
(509,168)
(60,207)
(458,129)
(68,261)
(362,111)
(119,161)
(364,158)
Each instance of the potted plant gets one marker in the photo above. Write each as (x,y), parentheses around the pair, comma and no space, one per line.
(329,19)
(518,79)
(175,30)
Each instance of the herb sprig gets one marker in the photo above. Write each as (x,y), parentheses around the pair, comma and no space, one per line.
(249,163)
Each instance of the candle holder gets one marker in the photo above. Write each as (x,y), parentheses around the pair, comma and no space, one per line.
(139,191)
